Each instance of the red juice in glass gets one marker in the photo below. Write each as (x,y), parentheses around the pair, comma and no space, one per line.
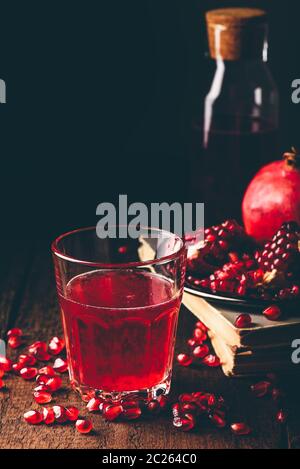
(120,329)
(120,320)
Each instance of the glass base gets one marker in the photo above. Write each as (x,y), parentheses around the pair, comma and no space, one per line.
(145,395)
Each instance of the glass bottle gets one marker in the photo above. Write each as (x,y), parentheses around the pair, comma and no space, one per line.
(237,132)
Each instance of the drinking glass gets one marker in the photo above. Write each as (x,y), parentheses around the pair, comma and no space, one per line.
(119,302)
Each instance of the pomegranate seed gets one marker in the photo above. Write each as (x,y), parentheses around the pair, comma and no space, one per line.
(14,341)
(42,379)
(17,367)
(112,412)
(184,359)
(197,395)
(199,334)
(60,365)
(5,363)
(54,383)
(176,409)
(129,404)
(2,373)
(56,345)
(42,397)
(60,414)
(88,396)
(261,388)
(217,420)
(42,388)
(132,413)
(28,373)
(211,400)
(185,423)
(242,321)
(27,360)
(201,351)
(103,406)
(192,342)
(281,416)
(277,394)
(240,428)
(197,282)
(224,244)
(43,356)
(84,426)
(186,397)
(39,350)
(1,384)
(211,360)
(33,417)
(189,408)
(48,415)
(295,290)
(72,413)
(273,313)
(153,407)
(93,405)
(203,283)
(210,238)
(241,290)
(163,401)
(201,325)
(16,331)
(47,370)
(123,249)
(37,347)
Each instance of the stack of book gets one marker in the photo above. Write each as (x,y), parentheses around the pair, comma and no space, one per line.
(265,347)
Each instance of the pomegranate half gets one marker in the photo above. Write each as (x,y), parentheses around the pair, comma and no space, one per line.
(273,197)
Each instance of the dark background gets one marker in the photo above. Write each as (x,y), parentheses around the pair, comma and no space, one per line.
(99,97)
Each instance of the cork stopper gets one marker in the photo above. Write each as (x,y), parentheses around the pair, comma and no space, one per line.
(236,33)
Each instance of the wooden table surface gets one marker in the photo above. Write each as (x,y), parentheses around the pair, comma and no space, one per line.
(28,300)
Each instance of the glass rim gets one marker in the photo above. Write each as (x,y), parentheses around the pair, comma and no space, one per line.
(105,265)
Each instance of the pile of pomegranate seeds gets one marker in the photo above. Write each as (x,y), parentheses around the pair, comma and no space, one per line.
(200,353)
(268,388)
(197,408)
(126,409)
(190,411)
(230,262)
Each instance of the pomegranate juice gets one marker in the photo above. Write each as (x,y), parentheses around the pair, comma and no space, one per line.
(120,329)
(223,166)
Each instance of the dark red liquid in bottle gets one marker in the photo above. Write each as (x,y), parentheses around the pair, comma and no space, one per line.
(120,329)
(225,160)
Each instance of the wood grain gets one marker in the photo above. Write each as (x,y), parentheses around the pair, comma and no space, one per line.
(38,314)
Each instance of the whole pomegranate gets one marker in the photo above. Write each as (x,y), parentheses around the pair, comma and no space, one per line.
(273,197)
